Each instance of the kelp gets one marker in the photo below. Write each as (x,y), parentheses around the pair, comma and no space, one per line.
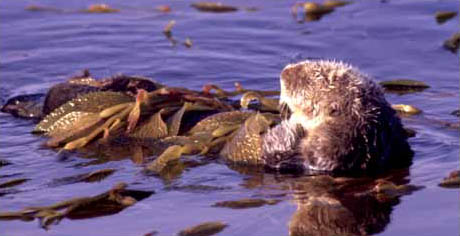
(221,119)
(385,190)
(245,146)
(443,16)
(92,103)
(4,162)
(167,31)
(453,43)
(215,7)
(28,106)
(38,8)
(266,104)
(407,110)
(101,8)
(163,8)
(246,203)
(336,3)
(107,203)
(204,229)
(312,11)
(158,116)
(188,42)
(452,180)
(91,177)
(403,86)
(13,182)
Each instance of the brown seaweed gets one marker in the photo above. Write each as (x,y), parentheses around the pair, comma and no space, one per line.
(171,154)
(62,93)
(407,110)
(453,43)
(336,3)
(212,123)
(107,203)
(91,102)
(27,106)
(153,128)
(163,8)
(188,42)
(443,16)
(245,146)
(91,177)
(452,180)
(101,8)
(77,125)
(312,11)
(84,79)
(204,229)
(386,190)
(266,104)
(13,182)
(403,86)
(167,31)
(4,163)
(42,8)
(216,7)
(246,203)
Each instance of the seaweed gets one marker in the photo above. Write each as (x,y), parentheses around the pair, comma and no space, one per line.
(107,203)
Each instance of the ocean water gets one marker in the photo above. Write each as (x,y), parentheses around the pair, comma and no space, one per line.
(385,39)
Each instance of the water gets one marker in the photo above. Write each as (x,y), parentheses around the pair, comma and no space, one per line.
(393,39)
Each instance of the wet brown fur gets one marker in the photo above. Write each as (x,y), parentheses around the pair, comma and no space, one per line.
(348,123)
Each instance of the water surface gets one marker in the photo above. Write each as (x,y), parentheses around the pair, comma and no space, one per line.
(388,40)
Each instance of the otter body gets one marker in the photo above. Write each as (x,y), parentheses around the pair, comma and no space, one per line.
(347,124)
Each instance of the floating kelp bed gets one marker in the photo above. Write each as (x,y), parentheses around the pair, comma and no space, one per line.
(144,117)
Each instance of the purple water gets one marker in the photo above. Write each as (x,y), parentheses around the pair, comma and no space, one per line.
(388,40)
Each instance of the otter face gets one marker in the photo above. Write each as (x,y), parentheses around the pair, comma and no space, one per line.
(342,111)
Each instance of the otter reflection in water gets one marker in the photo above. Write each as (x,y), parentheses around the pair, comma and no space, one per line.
(328,206)
(325,207)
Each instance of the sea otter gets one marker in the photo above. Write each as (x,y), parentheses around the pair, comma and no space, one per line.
(340,122)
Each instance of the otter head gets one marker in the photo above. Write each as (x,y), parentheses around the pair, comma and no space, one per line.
(347,121)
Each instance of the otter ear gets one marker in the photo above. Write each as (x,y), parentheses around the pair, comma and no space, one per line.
(289,73)
(297,76)
(288,82)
